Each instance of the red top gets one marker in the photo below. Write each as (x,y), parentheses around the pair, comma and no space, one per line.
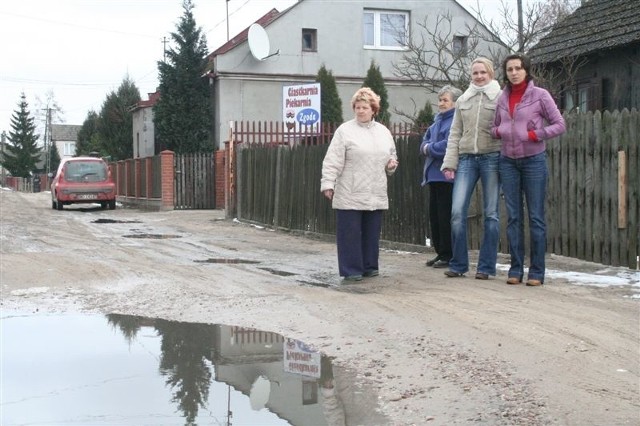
(515,96)
(517,90)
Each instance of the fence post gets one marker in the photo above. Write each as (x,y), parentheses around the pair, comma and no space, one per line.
(276,203)
(622,189)
(230,179)
(148,167)
(167,179)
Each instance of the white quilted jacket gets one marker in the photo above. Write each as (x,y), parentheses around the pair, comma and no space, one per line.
(355,166)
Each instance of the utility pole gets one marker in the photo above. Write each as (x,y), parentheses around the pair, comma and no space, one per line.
(520,28)
(47,141)
(227,3)
(164,49)
(3,141)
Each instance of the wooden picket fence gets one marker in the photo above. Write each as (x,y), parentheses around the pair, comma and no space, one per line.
(592,206)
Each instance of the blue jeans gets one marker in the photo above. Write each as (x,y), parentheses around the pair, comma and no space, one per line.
(470,169)
(526,176)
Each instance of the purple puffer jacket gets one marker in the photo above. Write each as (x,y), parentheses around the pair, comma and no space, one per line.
(536,111)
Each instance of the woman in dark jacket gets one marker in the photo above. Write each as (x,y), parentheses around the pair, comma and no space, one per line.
(434,146)
(526,116)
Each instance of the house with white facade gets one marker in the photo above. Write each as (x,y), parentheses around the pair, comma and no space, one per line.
(345,37)
(65,138)
(144,140)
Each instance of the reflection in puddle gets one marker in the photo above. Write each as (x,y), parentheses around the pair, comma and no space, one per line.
(127,370)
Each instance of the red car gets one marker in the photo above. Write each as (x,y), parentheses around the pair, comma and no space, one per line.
(83,180)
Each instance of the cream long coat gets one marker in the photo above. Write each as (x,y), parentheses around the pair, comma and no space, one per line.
(355,166)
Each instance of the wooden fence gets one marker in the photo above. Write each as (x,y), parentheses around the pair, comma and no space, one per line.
(194,181)
(594,188)
(167,181)
(592,204)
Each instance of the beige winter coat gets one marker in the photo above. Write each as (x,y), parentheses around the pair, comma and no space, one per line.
(471,127)
(355,166)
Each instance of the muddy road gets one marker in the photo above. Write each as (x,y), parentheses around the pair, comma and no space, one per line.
(433,350)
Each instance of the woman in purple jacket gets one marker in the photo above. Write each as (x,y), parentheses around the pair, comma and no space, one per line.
(526,116)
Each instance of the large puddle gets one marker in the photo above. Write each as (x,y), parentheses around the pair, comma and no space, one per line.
(125,370)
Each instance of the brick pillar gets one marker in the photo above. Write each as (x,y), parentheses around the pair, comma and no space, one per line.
(220,178)
(137,175)
(122,183)
(167,173)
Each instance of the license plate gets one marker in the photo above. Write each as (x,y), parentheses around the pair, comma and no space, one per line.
(87,196)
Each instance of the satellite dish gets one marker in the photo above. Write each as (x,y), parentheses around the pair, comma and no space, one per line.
(258,42)
(259,394)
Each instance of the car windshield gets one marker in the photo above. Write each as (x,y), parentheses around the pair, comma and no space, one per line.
(85,171)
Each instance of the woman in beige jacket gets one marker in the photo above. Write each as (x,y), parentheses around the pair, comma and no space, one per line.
(473,155)
(354,177)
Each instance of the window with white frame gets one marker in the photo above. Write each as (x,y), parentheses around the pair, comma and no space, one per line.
(385,29)
(68,149)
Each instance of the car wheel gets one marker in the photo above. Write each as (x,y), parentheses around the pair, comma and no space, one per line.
(112,205)
(59,205)
(103,205)
(53,205)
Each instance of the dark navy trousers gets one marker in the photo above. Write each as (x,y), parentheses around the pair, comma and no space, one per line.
(358,240)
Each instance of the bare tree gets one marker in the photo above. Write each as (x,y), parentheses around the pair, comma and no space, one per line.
(48,111)
(432,60)
(538,18)
(439,55)
(436,56)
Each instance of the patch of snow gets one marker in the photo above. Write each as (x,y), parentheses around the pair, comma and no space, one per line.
(29,291)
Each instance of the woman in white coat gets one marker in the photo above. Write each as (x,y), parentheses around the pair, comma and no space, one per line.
(361,155)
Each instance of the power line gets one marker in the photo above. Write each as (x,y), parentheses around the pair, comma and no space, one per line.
(71,24)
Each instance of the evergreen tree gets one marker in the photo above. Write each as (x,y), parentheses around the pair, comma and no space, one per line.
(54,158)
(375,82)
(183,114)
(424,118)
(89,136)
(115,127)
(330,103)
(22,153)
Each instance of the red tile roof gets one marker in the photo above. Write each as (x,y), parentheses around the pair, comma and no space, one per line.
(153,99)
(242,36)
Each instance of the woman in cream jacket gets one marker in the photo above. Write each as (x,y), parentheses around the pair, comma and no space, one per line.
(354,177)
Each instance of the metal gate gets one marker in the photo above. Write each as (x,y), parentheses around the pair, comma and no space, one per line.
(194,181)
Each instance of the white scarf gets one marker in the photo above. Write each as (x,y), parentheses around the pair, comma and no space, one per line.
(492,90)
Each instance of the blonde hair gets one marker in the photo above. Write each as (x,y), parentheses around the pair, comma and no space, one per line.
(487,63)
(365,94)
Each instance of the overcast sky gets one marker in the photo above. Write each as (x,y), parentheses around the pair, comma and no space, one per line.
(81,50)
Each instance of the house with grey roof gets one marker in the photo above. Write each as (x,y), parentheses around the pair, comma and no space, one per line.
(594,56)
(65,137)
(345,37)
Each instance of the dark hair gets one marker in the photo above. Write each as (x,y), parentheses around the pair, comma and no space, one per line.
(526,64)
